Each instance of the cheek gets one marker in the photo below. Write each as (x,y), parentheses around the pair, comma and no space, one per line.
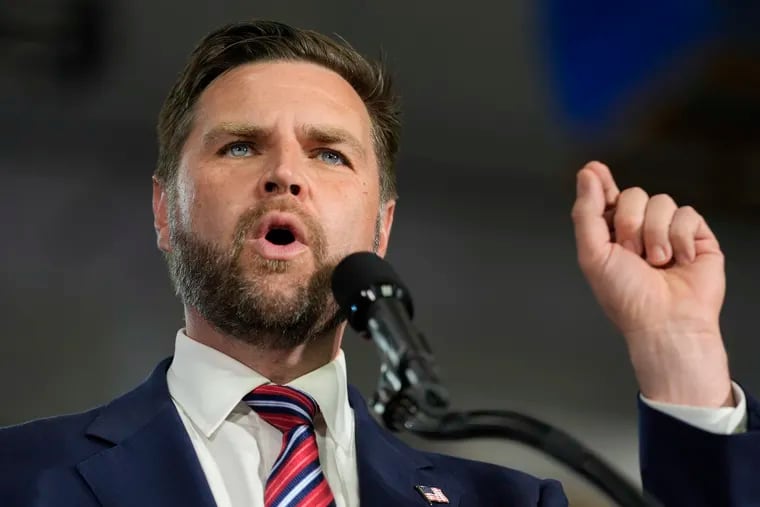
(210,209)
(351,224)
(183,205)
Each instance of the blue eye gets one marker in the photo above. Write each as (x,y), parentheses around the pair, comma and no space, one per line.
(239,150)
(332,157)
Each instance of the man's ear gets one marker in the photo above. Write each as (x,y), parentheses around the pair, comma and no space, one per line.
(161,215)
(386,222)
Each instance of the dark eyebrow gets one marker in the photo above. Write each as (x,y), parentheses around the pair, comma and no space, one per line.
(241,130)
(324,134)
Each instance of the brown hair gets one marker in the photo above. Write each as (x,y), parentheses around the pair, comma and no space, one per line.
(241,43)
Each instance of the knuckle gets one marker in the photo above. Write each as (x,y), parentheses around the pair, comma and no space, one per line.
(689,211)
(578,211)
(635,192)
(663,198)
(626,223)
(685,217)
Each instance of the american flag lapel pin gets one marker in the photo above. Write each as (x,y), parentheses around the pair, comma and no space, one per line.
(432,495)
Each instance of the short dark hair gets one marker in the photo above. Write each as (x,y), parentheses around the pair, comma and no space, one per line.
(241,43)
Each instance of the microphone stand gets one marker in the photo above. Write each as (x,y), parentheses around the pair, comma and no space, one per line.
(410,398)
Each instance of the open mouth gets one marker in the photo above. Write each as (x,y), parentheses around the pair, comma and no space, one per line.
(280,236)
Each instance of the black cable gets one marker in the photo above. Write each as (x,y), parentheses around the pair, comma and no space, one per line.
(541,436)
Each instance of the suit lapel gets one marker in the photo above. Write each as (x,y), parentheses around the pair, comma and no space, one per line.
(389,470)
(153,462)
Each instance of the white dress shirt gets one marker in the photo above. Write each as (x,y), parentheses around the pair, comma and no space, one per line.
(722,421)
(235,447)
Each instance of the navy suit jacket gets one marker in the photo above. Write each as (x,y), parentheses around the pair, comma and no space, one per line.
(135,452)
(684,466)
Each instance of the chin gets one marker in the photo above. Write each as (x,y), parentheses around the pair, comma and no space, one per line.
(300,266)
(285,277)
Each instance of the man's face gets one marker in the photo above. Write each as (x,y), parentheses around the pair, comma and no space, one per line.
(278,181)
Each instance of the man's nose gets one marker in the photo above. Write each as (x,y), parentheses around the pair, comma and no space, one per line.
(285,176)
(277,186)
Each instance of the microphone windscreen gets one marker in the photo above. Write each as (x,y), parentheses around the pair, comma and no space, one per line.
(360,272)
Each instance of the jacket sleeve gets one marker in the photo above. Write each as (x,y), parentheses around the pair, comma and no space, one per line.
(552,494)
(685,466)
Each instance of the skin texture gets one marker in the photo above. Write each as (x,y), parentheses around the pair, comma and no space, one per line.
(302,143)
(658,272)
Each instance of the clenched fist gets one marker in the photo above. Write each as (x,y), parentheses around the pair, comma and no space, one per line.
(657,270)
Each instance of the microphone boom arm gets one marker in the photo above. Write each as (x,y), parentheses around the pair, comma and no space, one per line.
(541,436)
(409,384)
(409,397)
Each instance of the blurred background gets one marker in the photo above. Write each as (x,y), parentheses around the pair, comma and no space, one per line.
(504,102)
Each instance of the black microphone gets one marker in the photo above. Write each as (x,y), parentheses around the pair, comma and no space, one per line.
(379,306)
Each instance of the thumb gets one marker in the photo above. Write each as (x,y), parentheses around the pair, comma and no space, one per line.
(592,234)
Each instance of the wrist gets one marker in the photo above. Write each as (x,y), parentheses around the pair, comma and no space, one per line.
(684,368)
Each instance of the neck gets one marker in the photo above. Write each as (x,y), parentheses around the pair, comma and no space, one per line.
(279,366)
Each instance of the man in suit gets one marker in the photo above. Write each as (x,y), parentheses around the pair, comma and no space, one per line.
(276,150)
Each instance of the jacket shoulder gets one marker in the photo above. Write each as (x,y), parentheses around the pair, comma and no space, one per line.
(30,450)
(48,441)
(70,438)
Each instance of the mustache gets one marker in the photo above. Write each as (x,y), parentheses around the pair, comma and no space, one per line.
(251,218)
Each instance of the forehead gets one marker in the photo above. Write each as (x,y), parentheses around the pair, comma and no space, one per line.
(269,94)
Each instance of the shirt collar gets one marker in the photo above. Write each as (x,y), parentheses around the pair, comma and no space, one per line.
(208,385)
(328,385)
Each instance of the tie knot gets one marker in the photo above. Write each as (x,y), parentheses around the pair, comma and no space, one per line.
(283,407)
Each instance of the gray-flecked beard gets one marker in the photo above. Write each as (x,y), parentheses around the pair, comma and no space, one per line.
(242,303)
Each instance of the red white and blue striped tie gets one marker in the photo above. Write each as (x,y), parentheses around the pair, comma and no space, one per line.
(296,479)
